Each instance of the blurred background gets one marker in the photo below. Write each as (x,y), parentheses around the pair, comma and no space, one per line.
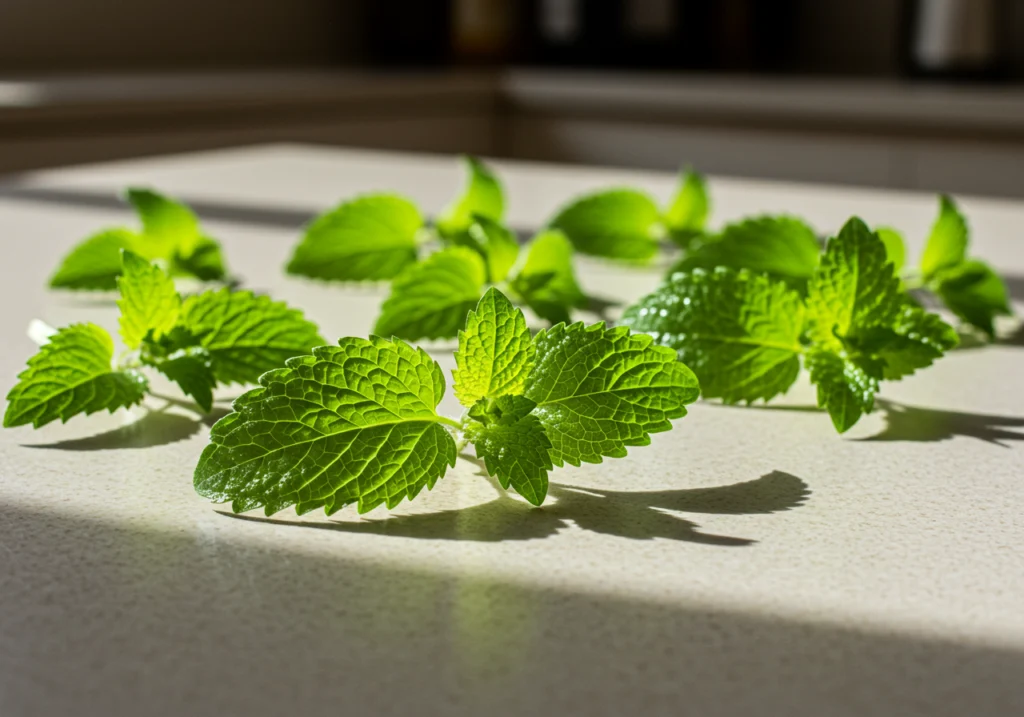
(914,94)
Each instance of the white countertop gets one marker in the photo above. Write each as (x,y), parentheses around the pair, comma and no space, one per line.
(750,561)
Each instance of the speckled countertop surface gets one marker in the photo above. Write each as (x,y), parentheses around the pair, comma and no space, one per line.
(749,562)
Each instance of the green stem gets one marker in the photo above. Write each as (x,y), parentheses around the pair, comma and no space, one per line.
(450,422)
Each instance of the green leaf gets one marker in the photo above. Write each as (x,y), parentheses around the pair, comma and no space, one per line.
(739,332)
(206,262)
(191,370)
(431,299)
(599,390)
(845,389)
(947,244)
(854,288)
(95,264)
(371,237)
(169,226)
(352,424)
(149,301)
(70,375)
(782,246)
(496,244)
(246,335)
(482,195)
(495,352)
(618,223)
(513,445)
(915,339)
(895,247)
(687,214)
(546,281)
(975,293)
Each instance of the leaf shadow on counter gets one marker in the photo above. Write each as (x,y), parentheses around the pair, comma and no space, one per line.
(156,427)
(928,425)
(636,515)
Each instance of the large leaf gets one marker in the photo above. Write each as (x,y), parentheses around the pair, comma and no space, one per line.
(739,332)
(482,195)
(495,352)
(368,238)
(431,299)
(618,223)
(95,264)
(246,335)
(546,281)
(70,375)
(782,246)
(513,445)
(854,288)
(913,341)
(149,301)
(352,424)
(600,390)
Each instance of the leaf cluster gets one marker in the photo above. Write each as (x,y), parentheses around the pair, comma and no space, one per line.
(198,342)
(439,270)
(170,235)
(357,423)
(745,333)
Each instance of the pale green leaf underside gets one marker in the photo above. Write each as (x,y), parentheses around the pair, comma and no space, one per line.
(854,288)
(95,264)
(600,390)
(355,423)
(71,375)
(368,238)
(845,390)
(247,335)
(514,446)
(495,351)
(482,195)
(739,332)
(431,299)
(618,223)
(947,244)
(546,281)
(783,246)
(149,301)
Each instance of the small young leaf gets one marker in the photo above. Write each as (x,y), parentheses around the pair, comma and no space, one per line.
(371,237)
(495,352)
(739,332)
(845,388)
(355,423)
(854,288)
(513,445)
(688,212)
(546,281)
(895,247)
(483,195)
(975,293)
(190,369)
(600,390)
(149,301)
(246,335)
(206,262)
(618,223)
(169,227)
(72,374)
(947,244)
(782,246)
(431,299)
(95,264)
(496,244)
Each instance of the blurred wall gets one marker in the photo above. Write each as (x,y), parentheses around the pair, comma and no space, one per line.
(82,35)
